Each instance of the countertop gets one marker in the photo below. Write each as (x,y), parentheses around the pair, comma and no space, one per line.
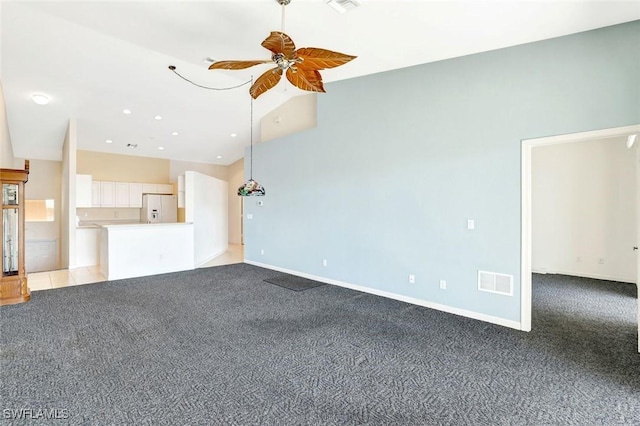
(101,223)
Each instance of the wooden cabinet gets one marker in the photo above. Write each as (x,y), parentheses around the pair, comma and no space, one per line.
(83,191)
(13,282)
(122,194)
(107,194)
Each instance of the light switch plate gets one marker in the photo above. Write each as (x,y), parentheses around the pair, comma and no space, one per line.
(249,216)
(471,224)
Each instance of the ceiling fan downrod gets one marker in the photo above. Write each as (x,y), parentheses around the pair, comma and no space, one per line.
(283,3)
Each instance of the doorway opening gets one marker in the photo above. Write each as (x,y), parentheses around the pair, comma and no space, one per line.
(526,205)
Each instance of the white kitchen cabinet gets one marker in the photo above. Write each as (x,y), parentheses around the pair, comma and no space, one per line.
(149,188)
(83,190)
(135,195)
(157,188)
(165,188)
(95,193)
(107,194)
(122,194)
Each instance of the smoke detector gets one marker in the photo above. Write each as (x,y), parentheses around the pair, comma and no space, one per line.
(343,6)
(132,145)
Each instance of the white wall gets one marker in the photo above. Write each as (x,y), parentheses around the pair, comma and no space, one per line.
(584,209)
(206,207)
(68,199)
(7,161)
(235,179)
(297,114)
(177,168)
(45,182)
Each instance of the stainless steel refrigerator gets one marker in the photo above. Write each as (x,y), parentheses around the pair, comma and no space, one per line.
(159,208)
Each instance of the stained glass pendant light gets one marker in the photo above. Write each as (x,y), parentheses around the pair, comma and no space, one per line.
(251,187)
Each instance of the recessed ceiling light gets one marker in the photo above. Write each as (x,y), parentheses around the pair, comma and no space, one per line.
(126,111)
(161,148)
(175,133)
(108,141)
(40,99)
(157,117)
(219,156)
(233,135)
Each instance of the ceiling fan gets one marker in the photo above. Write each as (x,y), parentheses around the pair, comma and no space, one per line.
(301,66)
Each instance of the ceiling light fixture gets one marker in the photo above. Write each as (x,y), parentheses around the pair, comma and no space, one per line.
(233,135)
(174,133)
(301,66)
(343,6)
(157,117)
(219,157)
(108,141)
(631,140)
(126,111)
(161,148)
(40,99)
(251,187)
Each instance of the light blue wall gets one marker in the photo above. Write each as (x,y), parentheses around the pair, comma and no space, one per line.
(383,187)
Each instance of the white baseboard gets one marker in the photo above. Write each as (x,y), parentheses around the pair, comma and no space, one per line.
(588,275)
(431,305)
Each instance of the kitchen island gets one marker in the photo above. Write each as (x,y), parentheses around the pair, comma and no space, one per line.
(138,250)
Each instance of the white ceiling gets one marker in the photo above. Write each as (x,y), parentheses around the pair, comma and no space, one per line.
(96,58)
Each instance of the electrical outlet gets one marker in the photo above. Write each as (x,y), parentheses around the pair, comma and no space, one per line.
(601,260)
(262,251)
(412,279)
(324,262)
(115,214)
(249,216)
(443,285)
(579,259)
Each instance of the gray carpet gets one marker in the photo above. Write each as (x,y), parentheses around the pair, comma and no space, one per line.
(218,346)
(293,282)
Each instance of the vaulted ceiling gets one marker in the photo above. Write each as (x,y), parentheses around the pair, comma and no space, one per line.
(95,59)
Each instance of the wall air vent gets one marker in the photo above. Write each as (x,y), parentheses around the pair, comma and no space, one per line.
(343,6)
(495,283)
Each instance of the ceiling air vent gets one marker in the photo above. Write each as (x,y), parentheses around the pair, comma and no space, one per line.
(495,283)
(343,6)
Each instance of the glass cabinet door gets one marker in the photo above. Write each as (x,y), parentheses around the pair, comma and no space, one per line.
(10,242)
(9,194)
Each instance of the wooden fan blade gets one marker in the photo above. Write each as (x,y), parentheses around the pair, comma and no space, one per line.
(279,42)
(310,80)
(314,58)
(235,65)
(265,82)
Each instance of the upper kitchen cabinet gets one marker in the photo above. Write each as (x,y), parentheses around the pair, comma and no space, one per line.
(157,188)
(95,194)
(135,195)
(122,194)
(83,191)
(107,194)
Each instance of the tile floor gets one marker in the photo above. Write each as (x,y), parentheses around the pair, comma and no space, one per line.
(63,278)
